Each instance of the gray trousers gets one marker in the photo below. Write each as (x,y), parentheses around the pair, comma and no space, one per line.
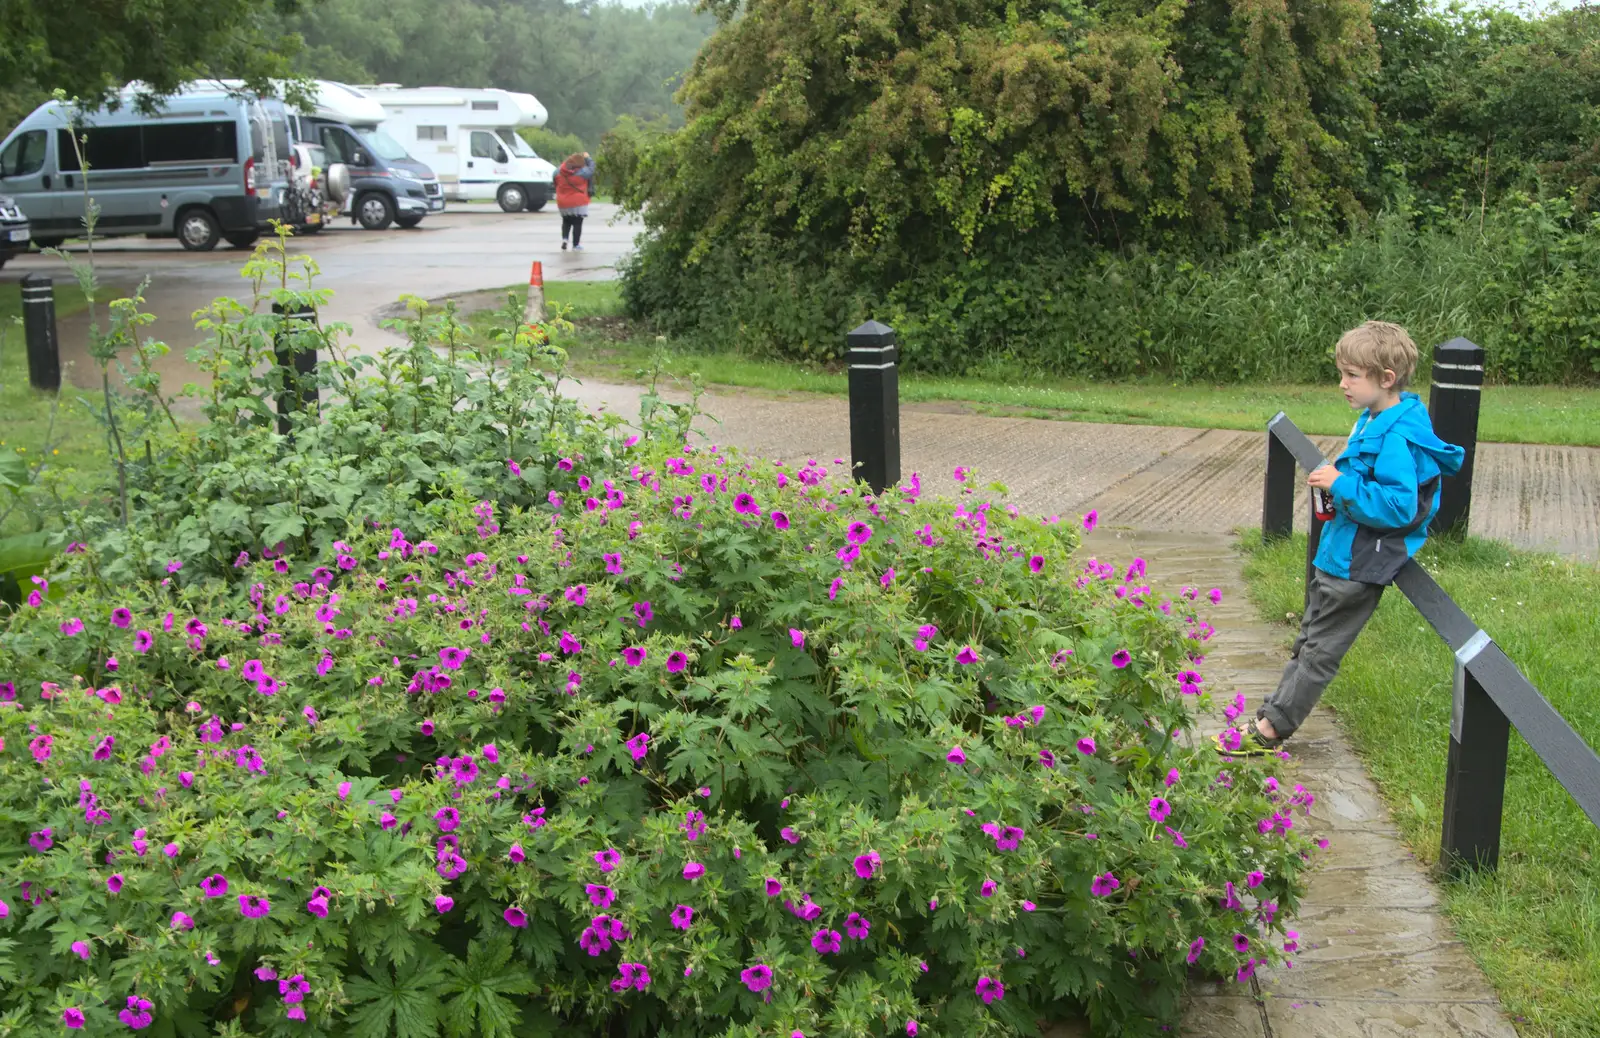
(1335,614)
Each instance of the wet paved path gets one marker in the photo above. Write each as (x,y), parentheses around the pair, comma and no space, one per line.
(1377,955)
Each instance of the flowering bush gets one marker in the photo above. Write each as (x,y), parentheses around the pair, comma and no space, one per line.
(708,746)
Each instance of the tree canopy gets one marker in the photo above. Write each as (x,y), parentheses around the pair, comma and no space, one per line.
(90,48)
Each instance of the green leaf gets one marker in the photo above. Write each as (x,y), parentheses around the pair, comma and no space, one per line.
(480,985)
(13,471)
(403,1004)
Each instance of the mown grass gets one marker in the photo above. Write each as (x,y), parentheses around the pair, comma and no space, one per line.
(75,441)
(606,346)
(1534,925)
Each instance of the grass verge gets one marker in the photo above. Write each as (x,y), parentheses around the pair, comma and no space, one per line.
(76,443)
(1534,925)
(607,346)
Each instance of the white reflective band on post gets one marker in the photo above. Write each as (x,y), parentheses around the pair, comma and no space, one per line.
(1456,385)
(870,349)
(1465,655)
(1458,367)
(871,367)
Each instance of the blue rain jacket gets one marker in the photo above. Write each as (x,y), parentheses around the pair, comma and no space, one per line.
(1386,493)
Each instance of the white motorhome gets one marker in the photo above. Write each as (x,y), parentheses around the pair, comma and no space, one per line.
(469,138)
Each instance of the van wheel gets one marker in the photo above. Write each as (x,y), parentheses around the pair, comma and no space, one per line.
(512,198)
(197,230)
(407,222)
(534,207)
(49,243)
(242,241)
(374,211)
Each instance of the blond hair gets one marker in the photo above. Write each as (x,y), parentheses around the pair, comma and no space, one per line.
(1376,346)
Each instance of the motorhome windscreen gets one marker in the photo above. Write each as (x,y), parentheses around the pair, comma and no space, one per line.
(518,146)
(386,146)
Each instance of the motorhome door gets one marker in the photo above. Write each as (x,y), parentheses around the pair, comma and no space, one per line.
(488,166)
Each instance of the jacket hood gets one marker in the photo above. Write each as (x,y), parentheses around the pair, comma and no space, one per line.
(1409,419)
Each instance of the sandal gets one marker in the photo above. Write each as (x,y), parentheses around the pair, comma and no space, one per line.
(1251,743)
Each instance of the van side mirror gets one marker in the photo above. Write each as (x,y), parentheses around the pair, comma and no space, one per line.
(500,154)
(359,158)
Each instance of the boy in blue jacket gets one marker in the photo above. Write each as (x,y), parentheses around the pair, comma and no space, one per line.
(1385,489)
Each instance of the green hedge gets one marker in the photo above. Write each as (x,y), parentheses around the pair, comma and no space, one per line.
(1523,281)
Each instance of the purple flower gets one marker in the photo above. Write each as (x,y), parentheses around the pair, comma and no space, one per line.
(990,990)
(142,641)
(1090,520)
(789,835)
(448,818)
(988,888)
(1172,778)
(318,906)
(138,1013)
(72,627)
(42,840)
(643,612)
(693,871)
(387,821)
(452,658)
(744,504)
(72,1018)
(599,896)
(1121,658)
(635,655)
(515,917)
(826,942)
(81,950)
(253,906)
(966,656)
(911,1028)
(1159,809)
(215,885)
(1215,594)
(867,864)
(858,533)
(1086,745)
(639,745)
(1028,906)
(608,859)
(856,925)
(121,616)
(676,661)
(780,521)
(798,637)
(1254,879)
(114,882)
(1104,884)
(570,645)
(956,756)
(757,978)
(442,904)
(682,917)
(1047,758)
(773,887)
(1036,563)
(181,921)
(1195,947)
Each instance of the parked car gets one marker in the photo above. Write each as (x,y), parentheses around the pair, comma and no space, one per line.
(14,232)
(306,206)
(209,163)
(469,138)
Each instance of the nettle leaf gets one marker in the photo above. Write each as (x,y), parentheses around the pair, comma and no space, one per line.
(480,986)
(403,1003)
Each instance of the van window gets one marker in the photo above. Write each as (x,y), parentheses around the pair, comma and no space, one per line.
(192,143)
(483,144)
(518,146)
(340,145)
(433,133)
(24,155)
(280,135)
(104,147)
(486,106)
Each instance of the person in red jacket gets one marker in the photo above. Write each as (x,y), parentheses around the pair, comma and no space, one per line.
(574,183)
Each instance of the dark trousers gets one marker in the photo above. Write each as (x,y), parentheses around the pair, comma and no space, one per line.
(1337,611)
(572,225)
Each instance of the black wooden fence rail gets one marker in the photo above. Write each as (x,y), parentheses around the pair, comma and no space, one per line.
(1491,694)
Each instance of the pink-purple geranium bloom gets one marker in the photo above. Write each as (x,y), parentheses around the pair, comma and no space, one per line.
(867,864)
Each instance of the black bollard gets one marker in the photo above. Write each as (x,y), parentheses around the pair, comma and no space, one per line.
(874,406)
(1475,770)
(299,366)
(1453,405)
(39,327)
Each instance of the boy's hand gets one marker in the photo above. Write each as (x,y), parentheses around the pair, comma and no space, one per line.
(1323,478)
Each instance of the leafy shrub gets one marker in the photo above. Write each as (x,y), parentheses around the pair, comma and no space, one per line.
(1518,282)
(395,431)
(553,147)
(704,746)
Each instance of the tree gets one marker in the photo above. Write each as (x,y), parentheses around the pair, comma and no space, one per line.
(90,48)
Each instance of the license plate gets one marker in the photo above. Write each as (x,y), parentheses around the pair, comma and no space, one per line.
(21,235)
(435,204)
(313,218)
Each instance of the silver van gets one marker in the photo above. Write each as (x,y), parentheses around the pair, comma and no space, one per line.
(208,164)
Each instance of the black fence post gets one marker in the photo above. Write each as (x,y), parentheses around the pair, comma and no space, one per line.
(1475,771)
(874,406)
(1453,401)
(39,328)
(299,366)
(1277,496)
